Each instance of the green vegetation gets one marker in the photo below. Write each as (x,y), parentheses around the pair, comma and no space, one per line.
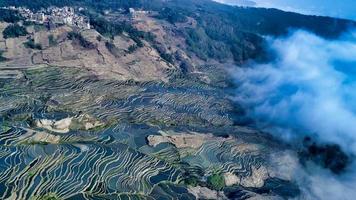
(33,142)
(216,181)
(111,29)
(39,27)
(52,41)
(4,128)
(14,30)
(80,40)
(28,23)
(172,16)
(205,47)
(49,196)
(106,28)
(220,40)
(327,156)
(222,33)
(258,20)
(2,58)
(9,16)
(19,116)
(192,181)
(95,4)
(32,45)
(31,174)
(166,56)
(112,49)
(132,48)
(137,39)
(249,20)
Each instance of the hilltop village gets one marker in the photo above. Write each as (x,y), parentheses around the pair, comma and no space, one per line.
(54,15)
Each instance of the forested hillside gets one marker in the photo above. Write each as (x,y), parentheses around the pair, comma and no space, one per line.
(100,101)
(222,32)
(256,20)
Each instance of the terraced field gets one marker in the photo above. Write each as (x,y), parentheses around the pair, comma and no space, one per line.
(66,134)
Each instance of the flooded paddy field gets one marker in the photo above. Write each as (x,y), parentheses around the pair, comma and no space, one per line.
(67,134)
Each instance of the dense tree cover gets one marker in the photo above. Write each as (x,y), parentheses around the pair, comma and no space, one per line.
(162,53)
(276,22)
(113,28)
(223,32)
(32,45)
(78,38)
(325,155)
(171,15)
(14,30)
(9,16)
(106,28)
(216,181)
(261,20)
(112,49)
(256,20)
(97,4)
(223,43)
(204,47)
(132,48)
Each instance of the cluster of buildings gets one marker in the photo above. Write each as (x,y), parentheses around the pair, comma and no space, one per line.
(137,13)
(54,15)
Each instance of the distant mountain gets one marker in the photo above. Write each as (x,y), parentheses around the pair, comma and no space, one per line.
(238,2)
(256,20)
(220,32)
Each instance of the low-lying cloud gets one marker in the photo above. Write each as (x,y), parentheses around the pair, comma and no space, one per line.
(308,89)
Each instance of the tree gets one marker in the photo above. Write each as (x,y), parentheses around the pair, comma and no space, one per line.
(14,30)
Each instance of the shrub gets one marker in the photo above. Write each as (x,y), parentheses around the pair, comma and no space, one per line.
(50,196)
(138,41)
(77,37)
(29,23)
(32,45)
(167,57)
(132,48)
(39,27)
(52,41)
(2,59)
(192,181)
(112,49)
(14,30)
(216,181)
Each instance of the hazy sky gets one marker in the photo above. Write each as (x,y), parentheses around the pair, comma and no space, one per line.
(334,8)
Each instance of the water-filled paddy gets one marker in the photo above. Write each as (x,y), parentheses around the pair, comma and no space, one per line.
(66,134)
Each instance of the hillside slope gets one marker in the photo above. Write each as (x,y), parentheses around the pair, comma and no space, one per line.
(139,106)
